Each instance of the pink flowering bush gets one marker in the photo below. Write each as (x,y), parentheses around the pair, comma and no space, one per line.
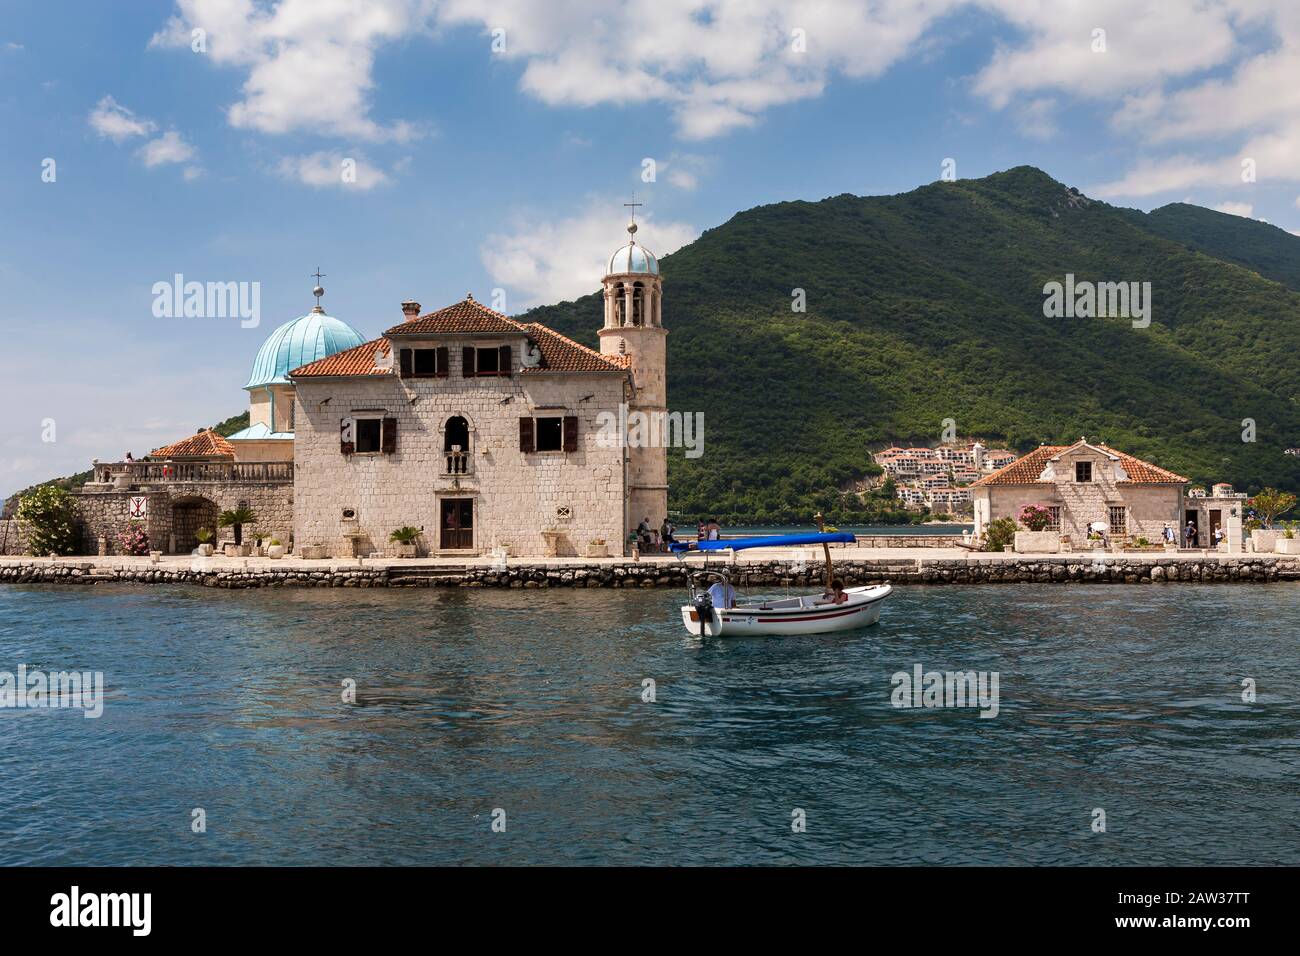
(134,540)
(1035,517)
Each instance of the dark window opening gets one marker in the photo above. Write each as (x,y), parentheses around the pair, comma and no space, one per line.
(424,361)
(1083,471)
(550,434)
(487,361)
(369,431)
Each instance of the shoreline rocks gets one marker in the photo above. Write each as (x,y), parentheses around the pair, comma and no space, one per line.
(925,571)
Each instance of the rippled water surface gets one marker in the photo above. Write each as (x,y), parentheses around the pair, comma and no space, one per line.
(1121,698)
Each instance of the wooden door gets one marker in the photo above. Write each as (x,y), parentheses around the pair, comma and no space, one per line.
(457,525)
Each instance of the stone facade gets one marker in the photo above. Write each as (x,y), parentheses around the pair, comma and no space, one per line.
(351,502)
(1084,484)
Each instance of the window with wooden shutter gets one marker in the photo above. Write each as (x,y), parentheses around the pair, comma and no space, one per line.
(406,366)
(503,364)
(467,362)
(388,439)
(525,434)
(570,432)
(346,443)
(444,361)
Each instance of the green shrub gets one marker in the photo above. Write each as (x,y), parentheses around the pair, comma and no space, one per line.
(49,516)
(999,534)
(235,519)
(405,535)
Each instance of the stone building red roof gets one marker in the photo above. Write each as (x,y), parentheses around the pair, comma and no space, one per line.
(559,352)
(1026,469)
(206,444)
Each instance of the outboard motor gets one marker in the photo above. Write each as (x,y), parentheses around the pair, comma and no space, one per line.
(703,606)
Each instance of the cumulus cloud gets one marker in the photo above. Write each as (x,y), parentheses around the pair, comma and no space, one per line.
(114,121)
(325,169)
(541,260)
(309,63)
(1243,209)
(167,148)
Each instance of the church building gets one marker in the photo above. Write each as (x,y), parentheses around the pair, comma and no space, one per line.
(488,434)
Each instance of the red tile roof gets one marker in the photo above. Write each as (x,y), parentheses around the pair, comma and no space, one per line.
(206,444)
(466,316)
(559,353)
(1026,469)
(358,360)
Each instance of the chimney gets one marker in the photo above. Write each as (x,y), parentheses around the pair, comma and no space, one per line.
(411,310)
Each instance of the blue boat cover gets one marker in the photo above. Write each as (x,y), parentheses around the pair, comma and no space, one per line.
(766,541)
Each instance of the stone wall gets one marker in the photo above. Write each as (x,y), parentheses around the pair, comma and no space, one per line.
(13,538)
(516,495)
(291,573)
(106,511)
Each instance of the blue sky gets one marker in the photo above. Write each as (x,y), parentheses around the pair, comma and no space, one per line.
(494,144)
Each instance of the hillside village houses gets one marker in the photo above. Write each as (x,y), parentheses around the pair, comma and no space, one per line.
(937,477)
(482,431)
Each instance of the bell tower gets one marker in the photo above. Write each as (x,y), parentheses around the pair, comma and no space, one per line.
(634,328)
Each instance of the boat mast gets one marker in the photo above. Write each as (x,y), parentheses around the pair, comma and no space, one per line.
(826,549)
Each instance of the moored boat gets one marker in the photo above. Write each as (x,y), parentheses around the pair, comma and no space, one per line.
(714,612)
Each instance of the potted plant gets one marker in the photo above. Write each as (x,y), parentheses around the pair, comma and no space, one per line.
(235,519)
(204,537)
(404,539)
(597,548)
(1036,518)
(274,549)
(1288,543)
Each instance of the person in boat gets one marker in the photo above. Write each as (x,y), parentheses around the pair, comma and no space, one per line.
(722,595)
(835,594)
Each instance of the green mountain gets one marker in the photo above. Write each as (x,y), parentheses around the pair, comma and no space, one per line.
(929,306)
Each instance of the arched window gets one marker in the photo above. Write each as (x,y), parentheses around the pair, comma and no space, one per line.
(638,304)
(455,445)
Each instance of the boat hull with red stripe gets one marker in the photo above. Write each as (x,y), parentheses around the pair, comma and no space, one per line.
(792,616)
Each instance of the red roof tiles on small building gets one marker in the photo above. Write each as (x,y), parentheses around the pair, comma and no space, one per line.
(1026,469)
(358,360)
(206,444)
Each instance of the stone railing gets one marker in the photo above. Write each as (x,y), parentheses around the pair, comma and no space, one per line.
(159,472)
(456,463)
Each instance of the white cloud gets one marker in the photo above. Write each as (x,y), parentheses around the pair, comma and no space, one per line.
(542,261)
(167,148)
(109,118)
(1243,209)
(323,169)
(1036,118)
(309,62)
(1152,176)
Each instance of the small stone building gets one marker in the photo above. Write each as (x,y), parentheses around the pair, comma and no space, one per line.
(1081,484)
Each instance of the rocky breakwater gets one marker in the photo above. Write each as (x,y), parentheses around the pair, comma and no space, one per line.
(976,569)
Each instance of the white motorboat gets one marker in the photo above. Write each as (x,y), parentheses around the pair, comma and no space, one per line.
(714,612)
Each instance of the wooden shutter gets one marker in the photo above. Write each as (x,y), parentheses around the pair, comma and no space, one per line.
(467,362)
(444,360)
(526,442)
(345,446)
(504,361)
(388,436)
(407,368)
(570,432)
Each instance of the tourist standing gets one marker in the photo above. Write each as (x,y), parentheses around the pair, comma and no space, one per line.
(1189,536)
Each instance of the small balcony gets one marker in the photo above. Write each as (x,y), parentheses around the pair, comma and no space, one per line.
(456,463)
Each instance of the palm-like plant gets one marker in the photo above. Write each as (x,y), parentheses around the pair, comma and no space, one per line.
(236,518)
(405,535)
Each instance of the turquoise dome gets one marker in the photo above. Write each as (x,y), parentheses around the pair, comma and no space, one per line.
(633,258)
(294,344)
